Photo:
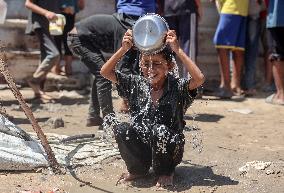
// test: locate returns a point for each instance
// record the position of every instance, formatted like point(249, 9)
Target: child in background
point(68, 8)
point(42, 12)
point(157, 102)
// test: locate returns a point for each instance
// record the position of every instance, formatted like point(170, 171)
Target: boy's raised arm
point(196, 74)
point(108, 69)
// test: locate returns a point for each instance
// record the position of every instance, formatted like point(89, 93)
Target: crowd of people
point(157, 125)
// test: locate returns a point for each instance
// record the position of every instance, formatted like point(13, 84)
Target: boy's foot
point(165, 181)
point(126, 177)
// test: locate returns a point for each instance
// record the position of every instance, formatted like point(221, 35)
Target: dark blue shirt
point(172, 105)
point(136, 7)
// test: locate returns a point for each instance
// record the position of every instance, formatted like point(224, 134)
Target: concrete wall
point(17, 10)
point(12, 33)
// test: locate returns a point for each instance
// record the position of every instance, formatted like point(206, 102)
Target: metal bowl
point(149, 33)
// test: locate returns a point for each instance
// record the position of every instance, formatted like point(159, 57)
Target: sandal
point(223, 93)
point(271, 100)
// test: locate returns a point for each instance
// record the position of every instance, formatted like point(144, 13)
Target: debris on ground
point(258, 165)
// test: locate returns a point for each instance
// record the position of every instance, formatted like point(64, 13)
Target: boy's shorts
point(231, 31)
point(278, 51)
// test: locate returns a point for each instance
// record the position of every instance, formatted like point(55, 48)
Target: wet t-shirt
point(172, 105)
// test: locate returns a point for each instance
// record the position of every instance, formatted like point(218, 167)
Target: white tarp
point(22, 151)
point(18, 151)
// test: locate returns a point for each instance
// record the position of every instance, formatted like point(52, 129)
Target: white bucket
point(56, 26)
point(3, 11)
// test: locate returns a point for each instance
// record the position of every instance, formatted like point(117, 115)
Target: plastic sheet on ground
point(22, 151)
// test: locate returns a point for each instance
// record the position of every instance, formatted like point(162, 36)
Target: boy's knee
point(160, 131)
point(121, 129)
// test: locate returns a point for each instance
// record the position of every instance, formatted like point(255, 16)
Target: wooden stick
point(11, 83)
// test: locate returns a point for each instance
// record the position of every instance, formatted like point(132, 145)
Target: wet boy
point(157, 100)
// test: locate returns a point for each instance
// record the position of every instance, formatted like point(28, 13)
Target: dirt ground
point(233, 133)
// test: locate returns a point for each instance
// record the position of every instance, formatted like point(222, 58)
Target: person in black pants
point(157, 101)
point(103, 33)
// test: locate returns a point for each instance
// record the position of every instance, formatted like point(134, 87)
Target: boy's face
point(155, 68)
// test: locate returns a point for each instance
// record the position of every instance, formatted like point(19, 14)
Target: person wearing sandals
point(157, 102)
point(230, 38)
point(275, 24)
point(41, 13)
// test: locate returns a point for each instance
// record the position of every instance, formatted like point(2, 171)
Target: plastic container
point(56, 26)
point(3, 11)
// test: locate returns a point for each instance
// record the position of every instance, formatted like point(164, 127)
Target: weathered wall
point(17, 10)
point(12, 33)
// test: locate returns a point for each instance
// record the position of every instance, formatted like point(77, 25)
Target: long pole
point(11, 83)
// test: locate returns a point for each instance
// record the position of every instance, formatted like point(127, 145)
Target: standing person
point(42, 12)
point(68, 8)
point(183, 16)
point(275, 24)
point(267, 44)
point(99, 33)
point(157, 103)
point(230, 37)
point(252, 43)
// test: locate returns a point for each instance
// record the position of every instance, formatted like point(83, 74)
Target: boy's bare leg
point(165, 181)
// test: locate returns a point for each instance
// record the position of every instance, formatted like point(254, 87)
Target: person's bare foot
point(43, 97)
point(165, 181)
point(126, 177)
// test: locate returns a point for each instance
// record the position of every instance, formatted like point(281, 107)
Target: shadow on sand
point(187, 177)
point(203, 117)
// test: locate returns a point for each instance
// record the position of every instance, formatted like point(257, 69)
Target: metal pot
point(149, 33)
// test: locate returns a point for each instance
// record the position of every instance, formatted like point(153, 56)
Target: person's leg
point(188, 37)
point(94, 118)
point(49, 57)
point(136, 154)
point(278, 74)
point(68, 57)
point(167, 152)
point(224, 64)
point(278, 65)
point(58, 42)
point(251, 53)
point(238, 61)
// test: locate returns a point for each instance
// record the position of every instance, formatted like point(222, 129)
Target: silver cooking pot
point(149, 33)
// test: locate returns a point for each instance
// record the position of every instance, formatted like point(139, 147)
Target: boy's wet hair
point(168, 54)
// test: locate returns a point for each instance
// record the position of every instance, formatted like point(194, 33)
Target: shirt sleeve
point(124, 84)
point(187, 95)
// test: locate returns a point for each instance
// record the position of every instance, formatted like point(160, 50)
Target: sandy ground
point(230, 139)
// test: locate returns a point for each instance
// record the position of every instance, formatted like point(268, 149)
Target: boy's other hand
point(171, 39)
point(127, 41)
point(50, 15)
